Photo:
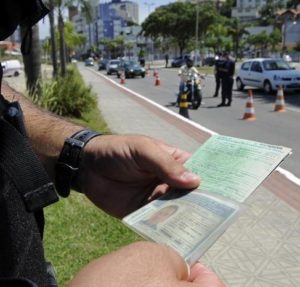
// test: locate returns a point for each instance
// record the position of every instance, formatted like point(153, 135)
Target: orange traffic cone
point(249, 114)
point(157, 80)
point(279, 104)
point(122, 81)
point(184, 106)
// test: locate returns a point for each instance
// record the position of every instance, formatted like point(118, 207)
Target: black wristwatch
point(67, 165)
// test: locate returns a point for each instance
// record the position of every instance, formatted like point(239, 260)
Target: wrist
point(69, 160)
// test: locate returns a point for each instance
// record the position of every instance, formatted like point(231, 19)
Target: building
point(289, 22)
point(113, 16)
point(247, 10)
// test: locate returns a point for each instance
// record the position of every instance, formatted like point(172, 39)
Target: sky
point(145, 7)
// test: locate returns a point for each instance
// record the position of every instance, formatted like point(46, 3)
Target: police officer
point(218, 74)
point(227, 70)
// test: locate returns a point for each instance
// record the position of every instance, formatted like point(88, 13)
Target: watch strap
point(68, 163)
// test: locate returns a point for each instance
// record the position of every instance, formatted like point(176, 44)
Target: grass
point(76, 231)
point(206, 70)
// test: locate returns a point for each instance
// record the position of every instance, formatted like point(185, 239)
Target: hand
point(121, 173)
point(144, 264)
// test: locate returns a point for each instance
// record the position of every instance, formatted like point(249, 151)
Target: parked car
point(130, 69)
point(112, 66)
point(209, 61)
point(102, 64)
point(11, 68)
point(268, 74)
point(89, 62)
point(177, 62)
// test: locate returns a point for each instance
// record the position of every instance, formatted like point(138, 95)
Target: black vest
point(24, 190)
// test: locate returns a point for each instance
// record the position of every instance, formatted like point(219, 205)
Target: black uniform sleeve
point(16, 282)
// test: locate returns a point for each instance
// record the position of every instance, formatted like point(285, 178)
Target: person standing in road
point(227, 70)
point(218, 78)
point(167, 60)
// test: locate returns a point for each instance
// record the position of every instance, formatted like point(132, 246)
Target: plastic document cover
point(188, 222)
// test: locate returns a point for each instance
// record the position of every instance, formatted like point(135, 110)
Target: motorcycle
point(193, 89)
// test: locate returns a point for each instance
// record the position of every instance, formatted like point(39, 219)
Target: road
point(269, 126)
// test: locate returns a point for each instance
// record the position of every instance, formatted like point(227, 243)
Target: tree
point(274, 39)
point(260, 41)
point(60, 6)
point(32, 59)
point(52, 38)
point(237, 31)
point(293, 4)
point(268, 12)
point(178, 20)
point(114, 47)
point(72, 39)
point(215, 37)
point(225, 9)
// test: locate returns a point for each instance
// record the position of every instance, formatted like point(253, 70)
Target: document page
point(187, 222)
point(234, 167)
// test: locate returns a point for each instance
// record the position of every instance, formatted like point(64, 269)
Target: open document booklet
point(190, 222)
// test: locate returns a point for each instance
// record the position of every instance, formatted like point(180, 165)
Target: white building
point(247, 10)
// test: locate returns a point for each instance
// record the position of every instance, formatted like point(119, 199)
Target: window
point(256, 67)
point(246, 66)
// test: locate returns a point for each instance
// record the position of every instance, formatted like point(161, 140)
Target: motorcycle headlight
point(131, 70)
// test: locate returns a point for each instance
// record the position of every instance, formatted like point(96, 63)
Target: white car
point(112, 67)
point(268, 74)
point(11, 68)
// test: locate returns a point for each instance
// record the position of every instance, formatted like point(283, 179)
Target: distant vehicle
point(287, 58)
point(112, 67)
point(178, 62)
point(130, 69)
point(89, 62)
point(11, 68)
point(209, 61)
point(268, 74)
point(102, 64)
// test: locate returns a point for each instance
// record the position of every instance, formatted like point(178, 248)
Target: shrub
point(67, 96)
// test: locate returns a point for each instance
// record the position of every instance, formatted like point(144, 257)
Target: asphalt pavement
point(261, 249)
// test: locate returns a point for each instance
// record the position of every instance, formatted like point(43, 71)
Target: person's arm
point(118, 173)
point(46, 131)
point(144, 264)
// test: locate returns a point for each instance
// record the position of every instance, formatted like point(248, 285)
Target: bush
point(67, 96)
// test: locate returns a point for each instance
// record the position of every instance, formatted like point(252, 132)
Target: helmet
point(189, 62)
point(20, 12)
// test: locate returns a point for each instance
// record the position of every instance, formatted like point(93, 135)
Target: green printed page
point(234, 167)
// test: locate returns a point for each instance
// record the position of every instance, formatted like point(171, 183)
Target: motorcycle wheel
point(196, 103)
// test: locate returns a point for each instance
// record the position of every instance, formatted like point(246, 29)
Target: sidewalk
point(263, 247)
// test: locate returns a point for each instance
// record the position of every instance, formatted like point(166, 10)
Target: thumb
point(204, 277)
point(167, 164)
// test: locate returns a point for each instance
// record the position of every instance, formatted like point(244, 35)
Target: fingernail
point(188, 270)
point(187, 175)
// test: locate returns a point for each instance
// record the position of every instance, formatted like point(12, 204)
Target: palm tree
point(32, 59)
point(52, 39)
point(237, 31)
point(61, 6)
